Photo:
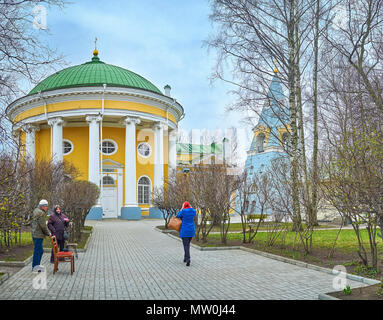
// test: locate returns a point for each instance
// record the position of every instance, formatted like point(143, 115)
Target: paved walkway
point(131, 260)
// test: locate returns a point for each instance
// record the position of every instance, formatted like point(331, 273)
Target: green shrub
point(252, 217)
point(347, 290)
point(365, 271)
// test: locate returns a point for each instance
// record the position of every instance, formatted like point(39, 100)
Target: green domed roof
point(94, 73)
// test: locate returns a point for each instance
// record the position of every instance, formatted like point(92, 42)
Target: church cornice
point(91, 93)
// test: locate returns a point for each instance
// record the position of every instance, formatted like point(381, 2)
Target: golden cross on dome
point(95, 51)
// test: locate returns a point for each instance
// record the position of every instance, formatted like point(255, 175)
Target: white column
point(158, 155)
point(94, 148)
point(56, 125)
point(30, 141)
point(130, 161)
point(172, 164)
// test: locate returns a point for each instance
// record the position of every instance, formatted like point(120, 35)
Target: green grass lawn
point(263, 227)
point(322, 239)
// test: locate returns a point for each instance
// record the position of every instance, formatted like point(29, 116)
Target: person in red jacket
point(187, 232)
point(56, 224)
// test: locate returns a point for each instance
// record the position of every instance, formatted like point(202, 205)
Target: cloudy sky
point(160, 40)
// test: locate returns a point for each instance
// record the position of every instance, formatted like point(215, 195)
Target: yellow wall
point(43, 144)
point(118, 136)
point(79, 157)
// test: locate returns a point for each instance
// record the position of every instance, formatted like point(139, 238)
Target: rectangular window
point(146, 194)
point(140, 194)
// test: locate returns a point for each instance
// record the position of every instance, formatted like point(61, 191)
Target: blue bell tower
point(271, 134)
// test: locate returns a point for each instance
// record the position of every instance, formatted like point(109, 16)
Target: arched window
point(261, 142)
point(143, 190)
point(286, 141)
point(107, 181)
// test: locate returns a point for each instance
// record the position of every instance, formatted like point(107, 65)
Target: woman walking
point(187, 232)
point(57, 223)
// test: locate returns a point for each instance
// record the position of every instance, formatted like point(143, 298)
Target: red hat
point(186, 205)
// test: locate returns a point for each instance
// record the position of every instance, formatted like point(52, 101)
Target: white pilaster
point(172, 151)
point(158, 154)
point(94, 148)
point(56, 125)
point(30, 141)
point(130, 161)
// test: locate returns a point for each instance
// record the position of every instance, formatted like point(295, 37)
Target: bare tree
point(170, 197)
point(352, 160)
point(77, 197)
point(23, 53)
point(251, 35)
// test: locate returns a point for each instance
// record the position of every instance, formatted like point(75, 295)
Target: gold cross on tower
point(275, 65)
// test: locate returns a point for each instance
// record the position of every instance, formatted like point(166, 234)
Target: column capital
point(93, 118)
point(159, 125)
point(131, 120)
point(55, 121)
point(173, 133)
point(31, 128)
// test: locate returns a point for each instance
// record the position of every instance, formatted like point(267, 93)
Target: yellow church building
point(115, 126)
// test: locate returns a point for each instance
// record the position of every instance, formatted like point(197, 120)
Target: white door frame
point(119, 180)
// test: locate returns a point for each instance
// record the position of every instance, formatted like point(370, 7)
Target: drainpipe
point(102, 117)
point(46, 115)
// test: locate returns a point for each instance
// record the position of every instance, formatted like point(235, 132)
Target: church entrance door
point(109, 202)
point(109, 196)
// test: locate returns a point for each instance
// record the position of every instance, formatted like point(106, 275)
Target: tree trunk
point(314, 196)
point(301, 130)
point(297, 223)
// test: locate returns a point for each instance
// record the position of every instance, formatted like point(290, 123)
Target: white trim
point(72, 147)
point(150, 189)
point(108, 112)
point(150, 150)
point(109, 140)
point(113, 165)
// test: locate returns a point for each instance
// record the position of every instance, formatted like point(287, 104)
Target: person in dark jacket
point(39, 231)
point(56, 224)
point(187, 232)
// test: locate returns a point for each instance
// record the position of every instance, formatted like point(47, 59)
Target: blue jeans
point(186, 242)
point(37, 251)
